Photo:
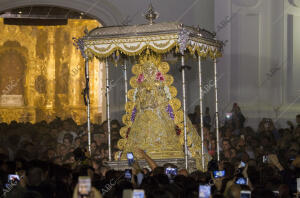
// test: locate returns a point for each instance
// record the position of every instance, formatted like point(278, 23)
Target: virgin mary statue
point(154, 119)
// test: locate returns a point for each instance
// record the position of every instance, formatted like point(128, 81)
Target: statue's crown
point(149, 58)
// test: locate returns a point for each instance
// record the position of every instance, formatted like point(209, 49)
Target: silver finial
point(151, 15)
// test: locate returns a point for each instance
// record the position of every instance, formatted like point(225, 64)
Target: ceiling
point(43, 12)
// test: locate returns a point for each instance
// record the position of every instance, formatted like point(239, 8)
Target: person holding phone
point(142, 154)
point(84, 189)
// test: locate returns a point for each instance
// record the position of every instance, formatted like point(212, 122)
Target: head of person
point(34, 176)
point(63, 150)
point(104, 126)
point(77, 142)
point(68, 140)
point(115, 124)
point(51, 153)
point(226, 144)
point(197, 109)
point(93, 146)
point(69, 158)
point(207, 110)
point(228, 132)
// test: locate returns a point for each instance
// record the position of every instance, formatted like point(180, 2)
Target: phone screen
point(228, 115)
point(204, 191)
point(265, 159)
point(245, 194)
point(242, 164)
point(171, 171)
point(241, 181)
point(138, 193)
point(276, 193)
point(84, 185)
point(219, 174)
point(130, 158)
point(128, 174)
point(13, 178)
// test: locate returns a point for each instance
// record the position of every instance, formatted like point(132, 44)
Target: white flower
point(134, 95)
point(167, 91)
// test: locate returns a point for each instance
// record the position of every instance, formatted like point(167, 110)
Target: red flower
point(159, 76)
point(140, 78)
point(177, 129)
point(128, 131)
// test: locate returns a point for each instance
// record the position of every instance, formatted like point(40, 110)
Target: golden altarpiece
point(155, 119)
point(41, 75)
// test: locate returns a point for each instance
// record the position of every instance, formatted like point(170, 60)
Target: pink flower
point(140, 78)
point(159, 76)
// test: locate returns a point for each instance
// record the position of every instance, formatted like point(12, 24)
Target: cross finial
point(151, 15)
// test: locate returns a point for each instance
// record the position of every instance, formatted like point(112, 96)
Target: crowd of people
point(48, 159)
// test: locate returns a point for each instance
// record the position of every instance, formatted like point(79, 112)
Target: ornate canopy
point(161, 38)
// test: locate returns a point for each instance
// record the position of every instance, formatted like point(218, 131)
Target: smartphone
point(171, 171)
point(128, 174)
point(241, 181)
point(13, 178)
point(242, 164)
point(276, 193)
point(130, 158)
point(265, 159)
point(219, 174)
point(245, 194)
point(84, 185)
point(138, 193)
point(228, 116)
point(204, 191)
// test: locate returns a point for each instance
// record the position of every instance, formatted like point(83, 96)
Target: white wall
point(260, 60)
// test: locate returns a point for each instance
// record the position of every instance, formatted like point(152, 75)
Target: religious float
point(155, 120)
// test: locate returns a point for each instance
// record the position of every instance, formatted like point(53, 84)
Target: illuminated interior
point(42, 73)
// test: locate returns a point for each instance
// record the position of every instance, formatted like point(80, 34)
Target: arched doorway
point(102, 10)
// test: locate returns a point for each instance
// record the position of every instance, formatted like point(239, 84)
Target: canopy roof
point(161, 38)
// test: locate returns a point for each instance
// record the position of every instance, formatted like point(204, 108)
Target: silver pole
point(88, 103)
point(125, 79)
point(201, 111)
point(217, 113)
point(108, 109)
point(184, 112)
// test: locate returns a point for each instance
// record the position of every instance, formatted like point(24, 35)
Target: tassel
point(177, 49)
